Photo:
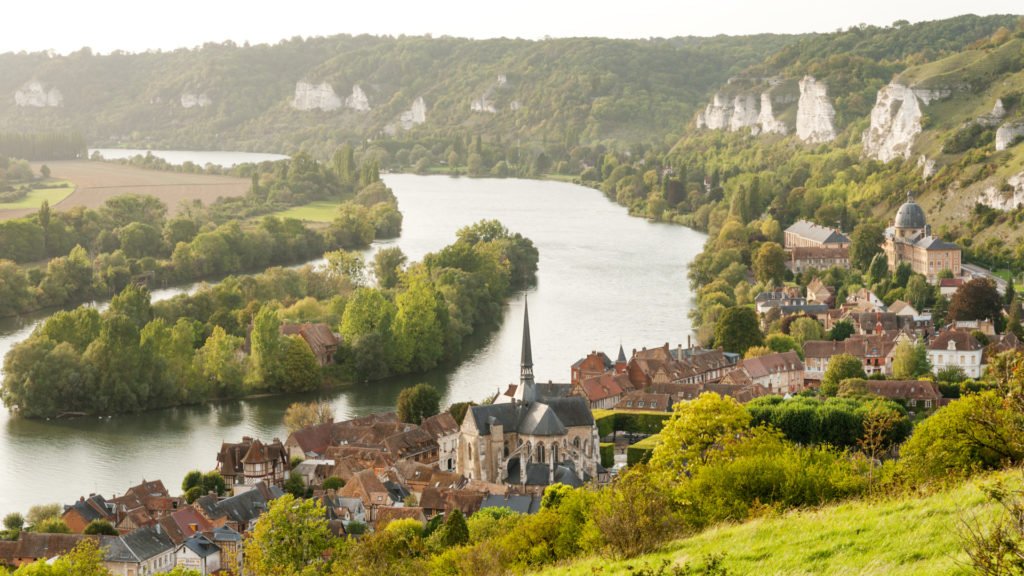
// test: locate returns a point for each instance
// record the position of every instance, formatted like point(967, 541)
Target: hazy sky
point(137, 25)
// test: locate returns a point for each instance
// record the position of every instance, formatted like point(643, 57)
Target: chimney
point(688, 341)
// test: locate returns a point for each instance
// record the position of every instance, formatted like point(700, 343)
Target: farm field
point(322, 211)
point(96, 182)
point(58, 192)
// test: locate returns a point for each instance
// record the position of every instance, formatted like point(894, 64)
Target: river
point(604, 278)
point(200, 158)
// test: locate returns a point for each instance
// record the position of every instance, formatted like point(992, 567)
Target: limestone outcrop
point(357, 100)
point(1007, 134)
point(415, 115)
point(766, 117)
point(310, 96)
point(1008, 197)
point(192, 100)
point(815, 116)
point(34, 95)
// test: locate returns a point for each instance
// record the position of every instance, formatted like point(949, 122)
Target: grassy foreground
point(321, 211)
point(35, 198)
point(896, 537)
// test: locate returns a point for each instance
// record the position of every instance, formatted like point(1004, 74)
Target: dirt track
point(95, 182)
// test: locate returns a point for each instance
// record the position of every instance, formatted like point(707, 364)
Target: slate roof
point(201, 546)
point(533, 419)
point(523, 504)
point(93, 508)
point(910, 215)
point(223, 534)
point(817, 233)
point(241, 508)
point(145, 543)
point(540, 420)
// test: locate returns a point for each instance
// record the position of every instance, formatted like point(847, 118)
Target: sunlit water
point(604, 278)
point(201, 158)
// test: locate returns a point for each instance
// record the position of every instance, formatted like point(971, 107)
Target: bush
point(607, 455)
point(635, 514)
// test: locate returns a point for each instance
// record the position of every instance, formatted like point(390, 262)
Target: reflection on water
point(604, 278)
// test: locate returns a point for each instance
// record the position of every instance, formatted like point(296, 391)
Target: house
point(641, 400)
point(874, 350)
point(865, 300)
point(808, 234)
point(780, 373)
point(320, 338)
point(602, 391)
point(959, 348)
point(230, 544)
point(917, 395)
point(198, 553)
point(949, 286)
point(984, 326)
point(32, 546)
point(803, 258)
point(238, 512)
point(342, 509)
point(436, 501)
point(413, 444)
point(79, 515)
point(664, 365)
point(594, 364)
point(314, 441)
point(742, 393)
point(250, 462)
point(365, 486)
point(146, 550)
point(314, 471)
point(819, 293)
point(445, 431)
point(389, 514)
point(521, 503)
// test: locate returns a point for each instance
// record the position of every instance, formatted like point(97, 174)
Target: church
point(531, 436)
point(910, 240)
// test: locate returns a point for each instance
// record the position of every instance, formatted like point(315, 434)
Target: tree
point(782, 343)
point(346, 265)
point(770, 264)
point(454, 532)
point(44, 171)
point(52, 525)
point(301, 415)
point(85, 559)
point(910, 361)
point(918, 292)
point(102, 527)
point(267, 348)
point(737, 329)
point(757, 352)
point(301, 373)
point(806, 329)
point(865, 243)
point(418, 403)
point(14, 521)
point(635, 514)
point(333, 483)
point(977, 299)
point(41, 512)
point(840, 367)
point(693, 428)
point(289, 539)
point(1011, 291)
point(387, 266)
point(841, 330)
point(295, 485)
point(879, 268)
point(419, 335)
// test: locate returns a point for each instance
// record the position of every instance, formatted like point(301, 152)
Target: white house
point(445, 430)
point(141, 552)
point(198, 553)
point(956, 348)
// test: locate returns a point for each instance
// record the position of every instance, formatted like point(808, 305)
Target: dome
point(910, 215)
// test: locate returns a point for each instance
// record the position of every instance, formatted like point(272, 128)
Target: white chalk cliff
point(358, 100)
point(1005, 199)
point(315, 97)
point(483, 104)
point(1007, 134)
point(766, 117)
point(744, 112)
point(191, 100)
point(895, 123)
point(415, 115)
point(815, 116)
point(34, 95)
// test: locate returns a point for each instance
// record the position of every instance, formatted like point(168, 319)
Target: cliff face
point(1008, 198)
point(1007, 134)
point(191, 100)
point(34, 95)
point(896, 120)
point(766, 118)
point(315, 97)
point(815, 116)
point(358, 100)
point(744, 112)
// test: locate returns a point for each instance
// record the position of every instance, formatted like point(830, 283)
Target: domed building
point(910, 240)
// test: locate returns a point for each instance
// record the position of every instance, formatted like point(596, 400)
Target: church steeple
point(526, 362)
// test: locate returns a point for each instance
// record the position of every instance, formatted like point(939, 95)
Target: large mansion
point(910, 240)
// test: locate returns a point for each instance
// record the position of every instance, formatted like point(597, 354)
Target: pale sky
point(138, 25)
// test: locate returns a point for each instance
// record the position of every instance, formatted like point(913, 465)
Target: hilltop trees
point(418, 403)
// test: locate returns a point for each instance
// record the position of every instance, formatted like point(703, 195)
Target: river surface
point(604, 278)
point(201, 158)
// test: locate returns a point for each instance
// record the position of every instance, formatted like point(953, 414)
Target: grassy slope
point(35, 198)
point(890, 538)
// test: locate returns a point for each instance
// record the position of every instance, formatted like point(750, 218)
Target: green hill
point(908, 536)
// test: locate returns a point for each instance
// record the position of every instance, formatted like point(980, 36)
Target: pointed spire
point(622, 355)
point(526, 363)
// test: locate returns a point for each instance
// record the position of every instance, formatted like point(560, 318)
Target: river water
point(201, 158)
point(604, 278)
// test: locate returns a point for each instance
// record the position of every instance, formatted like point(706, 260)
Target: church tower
point(526, 392)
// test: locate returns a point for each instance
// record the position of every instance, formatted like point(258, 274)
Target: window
point(629, 404)
point(640, 404)
point(927, 403)
point(913, 402)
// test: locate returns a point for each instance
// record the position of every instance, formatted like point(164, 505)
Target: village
point(374, 469)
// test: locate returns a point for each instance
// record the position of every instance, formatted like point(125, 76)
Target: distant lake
point(604, 278)
point(199, 157)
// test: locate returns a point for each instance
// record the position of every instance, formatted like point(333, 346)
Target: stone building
point(910, 240)
point(529, 438)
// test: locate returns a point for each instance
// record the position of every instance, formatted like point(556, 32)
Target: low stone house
point(780, 373)
point(602, 391)
point(916, 395)
point(79, 515)
point(198, 553)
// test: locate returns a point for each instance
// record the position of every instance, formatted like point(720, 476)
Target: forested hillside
point(226, 96)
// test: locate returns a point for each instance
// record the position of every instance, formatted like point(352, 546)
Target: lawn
point(892, 538)
point(321, 211)
point(35, 198)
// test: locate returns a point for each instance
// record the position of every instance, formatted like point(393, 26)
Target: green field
point(893, 537)
point(35, 198)
point(321, 211)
